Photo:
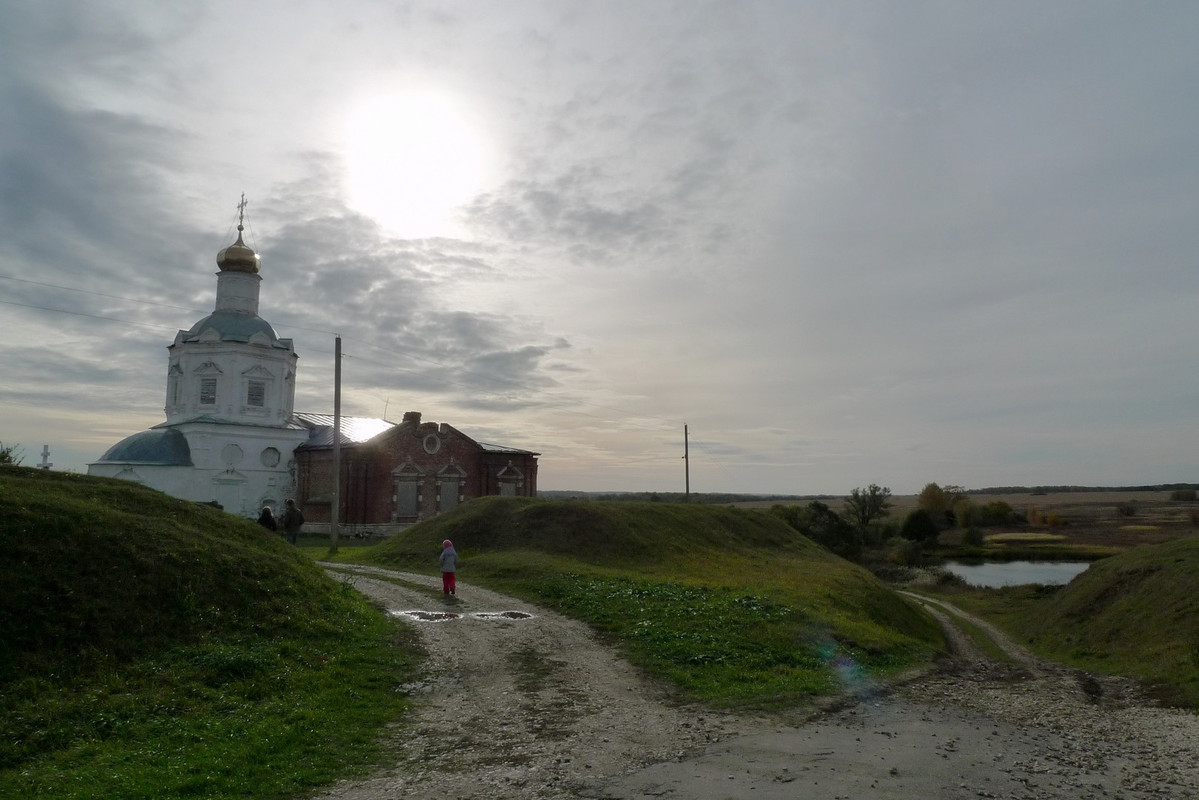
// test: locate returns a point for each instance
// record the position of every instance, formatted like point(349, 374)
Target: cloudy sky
point(843, 242)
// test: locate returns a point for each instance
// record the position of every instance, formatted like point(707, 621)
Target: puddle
point(446, 616)
point(426, 616)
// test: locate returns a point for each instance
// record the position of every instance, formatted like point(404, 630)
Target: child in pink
point(449, 563)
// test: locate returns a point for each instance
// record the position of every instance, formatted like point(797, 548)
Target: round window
point(232, 455)
point(432, 443)
point(270, 457)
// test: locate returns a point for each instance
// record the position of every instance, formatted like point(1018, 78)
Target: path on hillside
point(538, 707)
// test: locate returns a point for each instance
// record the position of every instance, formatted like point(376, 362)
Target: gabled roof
point(354, 430)
point(499, 448)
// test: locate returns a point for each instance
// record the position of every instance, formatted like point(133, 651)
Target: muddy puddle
point(446, 616)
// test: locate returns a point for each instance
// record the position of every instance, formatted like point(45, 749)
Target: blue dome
point(233, 326)
point(167, 447)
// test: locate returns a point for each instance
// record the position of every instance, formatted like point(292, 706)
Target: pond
point(993, 574)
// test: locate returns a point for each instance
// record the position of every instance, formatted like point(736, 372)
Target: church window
point(256, 393)
point(449, 494)
point(407, 498)
point(208, 391)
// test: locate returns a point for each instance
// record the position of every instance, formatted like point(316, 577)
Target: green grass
point(152, 648)
point(731, 606)
point(1135, 614)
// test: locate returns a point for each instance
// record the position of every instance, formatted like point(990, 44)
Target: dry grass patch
point(1000, 538)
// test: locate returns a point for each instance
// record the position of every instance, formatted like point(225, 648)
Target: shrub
point(973, 537)
point(964, 511)
point(908, 552)
point(1126, 509)
point(918, 526)
point(947, 578)
point(824, 526)
point(1183, 495)
point(12, 454)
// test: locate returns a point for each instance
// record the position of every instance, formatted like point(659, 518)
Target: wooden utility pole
point(335, 507)
point(686, 467)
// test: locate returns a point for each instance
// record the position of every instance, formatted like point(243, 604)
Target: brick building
point(406, 473)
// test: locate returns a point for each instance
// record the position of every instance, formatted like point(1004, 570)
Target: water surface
point(993, 574)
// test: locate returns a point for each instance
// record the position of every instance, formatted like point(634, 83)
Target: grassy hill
point(1133, 614)
point(733, 606)
point(151, 647)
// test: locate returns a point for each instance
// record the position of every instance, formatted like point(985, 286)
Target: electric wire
point(568, 405)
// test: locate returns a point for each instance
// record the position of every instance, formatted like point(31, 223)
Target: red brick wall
point(369, 485)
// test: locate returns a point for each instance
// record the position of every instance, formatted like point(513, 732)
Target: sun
point(412, 158)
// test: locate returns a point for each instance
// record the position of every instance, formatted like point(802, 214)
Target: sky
point(837, 243)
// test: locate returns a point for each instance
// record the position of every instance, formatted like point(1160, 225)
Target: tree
point(823, 526)
point(11, 454)
point(940, 501)
point(932, 499)
point(919, 526)
point(864, 505)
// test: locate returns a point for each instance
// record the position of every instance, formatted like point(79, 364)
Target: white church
point(230, 430)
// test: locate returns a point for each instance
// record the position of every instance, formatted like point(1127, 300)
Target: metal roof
point(166, 447)
point(499, 448)
point(354, 430)
point(234, 326)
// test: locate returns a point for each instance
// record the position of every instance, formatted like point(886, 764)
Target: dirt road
point(518, 702)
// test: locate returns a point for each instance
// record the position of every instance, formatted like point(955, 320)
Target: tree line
point(862, 522)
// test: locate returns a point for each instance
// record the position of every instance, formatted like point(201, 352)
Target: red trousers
point(447, 583)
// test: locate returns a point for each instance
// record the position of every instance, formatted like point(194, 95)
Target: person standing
point(449, 564)
point(291, 521)
point(267, 519)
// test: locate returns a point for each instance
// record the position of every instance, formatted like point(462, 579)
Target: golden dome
point(237, 257)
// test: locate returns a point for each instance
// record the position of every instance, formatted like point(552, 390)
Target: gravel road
point(519, 702)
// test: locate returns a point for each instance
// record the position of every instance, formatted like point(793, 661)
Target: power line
point(563, 404)
point(89, 316)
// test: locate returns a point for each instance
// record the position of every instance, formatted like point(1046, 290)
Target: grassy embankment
point(732, 606)
point(153, 648)
point(1134, 614)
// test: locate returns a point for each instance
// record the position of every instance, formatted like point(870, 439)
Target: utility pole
point(335, 508)
point(686, 466)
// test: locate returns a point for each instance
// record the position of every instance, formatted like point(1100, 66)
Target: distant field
point(1026, 537)
point(1103, 520)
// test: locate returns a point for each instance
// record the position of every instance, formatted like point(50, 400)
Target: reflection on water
point(993, 574)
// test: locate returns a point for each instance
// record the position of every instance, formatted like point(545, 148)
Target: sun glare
point(411, 159)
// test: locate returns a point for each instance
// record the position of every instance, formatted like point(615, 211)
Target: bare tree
point(864, 505)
